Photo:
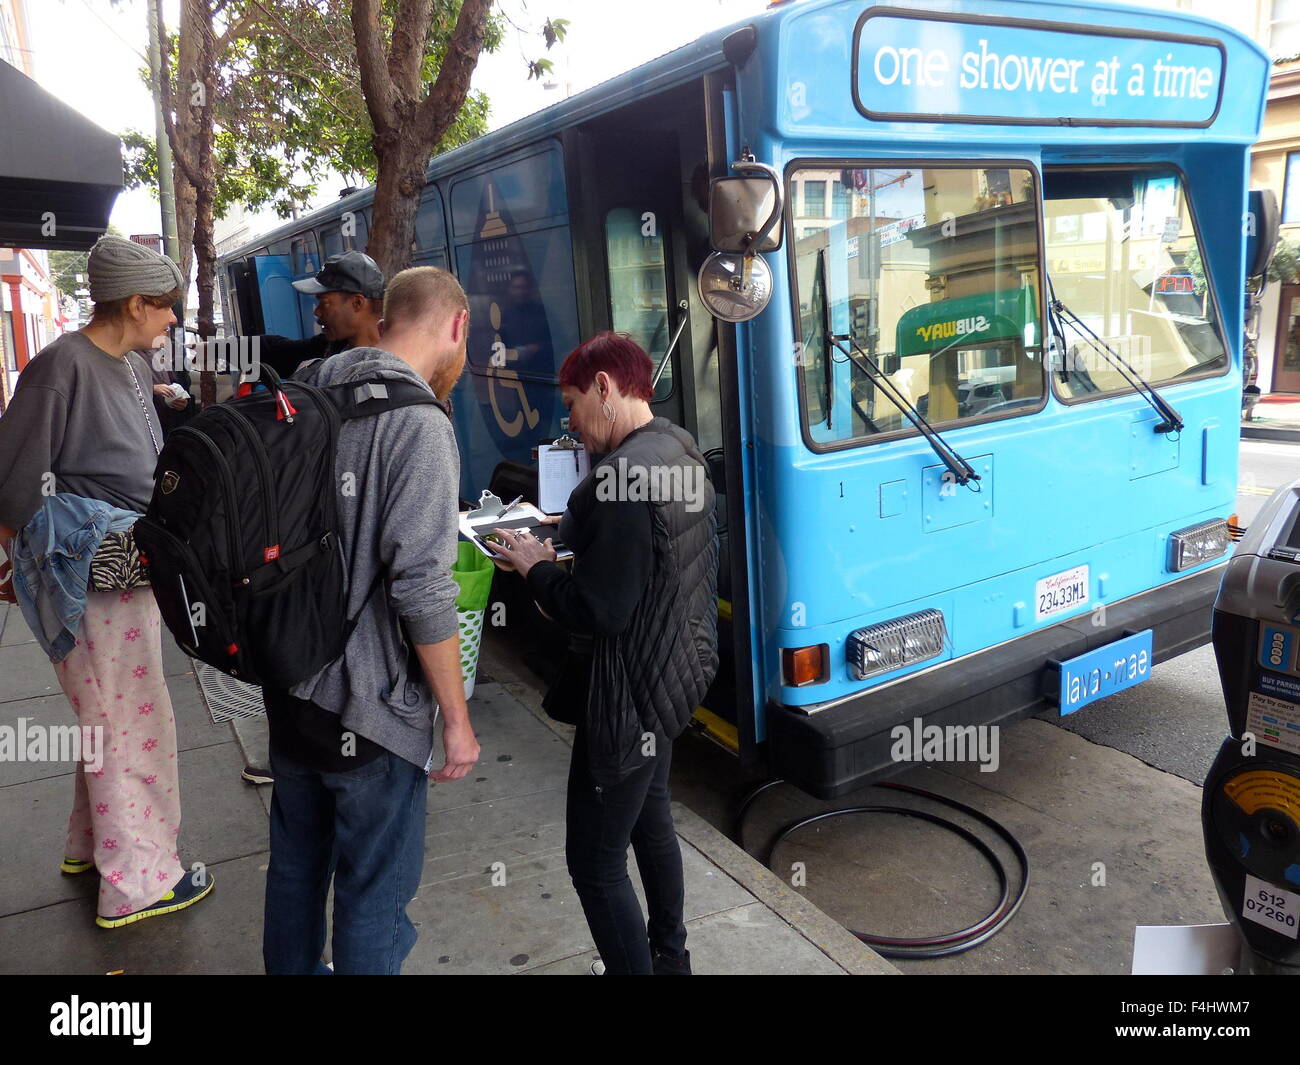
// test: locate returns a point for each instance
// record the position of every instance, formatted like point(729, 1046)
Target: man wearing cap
point(349, 291)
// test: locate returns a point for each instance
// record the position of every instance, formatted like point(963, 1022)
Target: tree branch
point(376, 84)
point(436, 112)
point(180, 151)
point(322, 63)
point(238, 29)
point(410, 31)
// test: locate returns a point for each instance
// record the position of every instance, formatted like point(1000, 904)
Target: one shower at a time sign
point(946, 68)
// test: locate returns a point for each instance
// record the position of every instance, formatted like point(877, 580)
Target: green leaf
point(554, 30)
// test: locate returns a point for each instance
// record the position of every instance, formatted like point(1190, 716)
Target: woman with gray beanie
point(78, 446)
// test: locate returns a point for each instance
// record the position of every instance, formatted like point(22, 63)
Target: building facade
point(32, 311)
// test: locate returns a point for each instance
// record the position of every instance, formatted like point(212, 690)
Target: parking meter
point(1250, 808)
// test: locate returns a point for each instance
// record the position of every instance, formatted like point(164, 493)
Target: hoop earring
point(607, 409)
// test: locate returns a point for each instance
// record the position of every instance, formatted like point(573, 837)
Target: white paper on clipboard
point(559, 471)
point(521, 516)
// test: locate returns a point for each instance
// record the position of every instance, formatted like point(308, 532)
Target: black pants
point(601, 824)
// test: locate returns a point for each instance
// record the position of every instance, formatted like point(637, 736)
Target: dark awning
point(59, 172)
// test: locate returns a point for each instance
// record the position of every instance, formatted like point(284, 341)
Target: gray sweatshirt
point(76, 414)
point(399, 476)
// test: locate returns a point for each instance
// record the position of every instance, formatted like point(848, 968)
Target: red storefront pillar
point(19, 324)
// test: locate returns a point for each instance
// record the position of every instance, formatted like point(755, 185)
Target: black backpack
point(241, 535)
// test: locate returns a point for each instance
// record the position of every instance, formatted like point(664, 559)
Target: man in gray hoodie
point(352, 746)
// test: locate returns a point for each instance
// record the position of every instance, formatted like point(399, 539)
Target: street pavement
point(494, 897)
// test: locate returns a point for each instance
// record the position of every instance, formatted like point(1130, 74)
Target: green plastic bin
point(472, 573)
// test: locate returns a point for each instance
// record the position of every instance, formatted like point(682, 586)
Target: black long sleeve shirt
point(612, 551)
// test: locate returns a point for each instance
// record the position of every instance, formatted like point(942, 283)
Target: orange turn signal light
point(805, 665)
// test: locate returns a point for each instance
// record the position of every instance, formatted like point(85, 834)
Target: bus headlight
point(1199, 543)
point(894, 644)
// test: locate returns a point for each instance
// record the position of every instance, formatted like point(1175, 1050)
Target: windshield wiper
point(1172, 421)
point(963, 472)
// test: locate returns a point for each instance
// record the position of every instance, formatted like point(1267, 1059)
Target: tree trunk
point(195, 30)
point(408, 125)
point(205, 187)
point(205, 255)
point(403, 158)
point(184, 223)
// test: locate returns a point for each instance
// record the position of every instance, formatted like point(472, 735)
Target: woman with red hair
point(640, 604)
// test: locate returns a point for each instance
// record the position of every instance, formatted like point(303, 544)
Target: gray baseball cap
point(349, 271)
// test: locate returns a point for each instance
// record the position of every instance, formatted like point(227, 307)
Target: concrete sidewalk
point(505, 818)
point(1275, 418)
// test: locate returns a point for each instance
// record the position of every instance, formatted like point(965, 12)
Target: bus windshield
point(934, 273)
point(1123, 255)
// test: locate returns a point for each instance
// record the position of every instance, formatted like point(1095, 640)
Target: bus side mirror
point(745, 212)
point(1262, 229)
point(738, 207)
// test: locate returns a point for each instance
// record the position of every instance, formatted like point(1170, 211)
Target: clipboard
point(477, 523)
point(561, 467)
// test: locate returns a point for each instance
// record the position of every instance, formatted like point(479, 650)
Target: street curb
point(826, 934)
point(1260, 432)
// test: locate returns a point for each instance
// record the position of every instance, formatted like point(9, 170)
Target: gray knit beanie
point(119, 268)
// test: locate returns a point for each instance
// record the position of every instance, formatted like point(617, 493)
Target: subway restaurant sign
point(949, 68)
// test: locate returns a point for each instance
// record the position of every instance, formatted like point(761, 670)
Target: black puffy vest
point(651, 677)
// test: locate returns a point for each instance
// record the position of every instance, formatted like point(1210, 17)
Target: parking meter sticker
point(1273, 907)
point(1277, 648)
point(1274, 722)
point(1282, 687)
point(1259, 789)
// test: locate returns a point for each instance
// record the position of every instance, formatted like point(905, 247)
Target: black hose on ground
point(927, 946)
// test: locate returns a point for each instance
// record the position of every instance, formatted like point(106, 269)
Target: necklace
point(140, 396)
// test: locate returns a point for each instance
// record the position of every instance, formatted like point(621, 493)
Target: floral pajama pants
point(127, 814)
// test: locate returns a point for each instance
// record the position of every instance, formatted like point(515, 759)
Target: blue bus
point(970, 433)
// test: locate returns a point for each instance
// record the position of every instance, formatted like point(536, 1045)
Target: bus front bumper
point(830, 749)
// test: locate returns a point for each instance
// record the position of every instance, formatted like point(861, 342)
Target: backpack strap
point(362, 399)
point(375, 395)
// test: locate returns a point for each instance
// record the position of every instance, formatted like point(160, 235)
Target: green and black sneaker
point(185, 893)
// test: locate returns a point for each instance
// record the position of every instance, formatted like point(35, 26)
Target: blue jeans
point(364, 828)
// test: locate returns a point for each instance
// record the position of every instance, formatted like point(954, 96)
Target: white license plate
point(1061, 592)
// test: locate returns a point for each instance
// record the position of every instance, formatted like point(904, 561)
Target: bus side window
point(331, 241)
point(429, 246)
point(359, 239)
point(638, 286)
point(304, 261)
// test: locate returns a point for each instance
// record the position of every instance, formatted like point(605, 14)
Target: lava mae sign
point(954, 68)
point(1104, 671)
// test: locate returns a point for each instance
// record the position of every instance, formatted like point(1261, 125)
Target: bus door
point(630, 178)
point(244, 316)
point(643, 179)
